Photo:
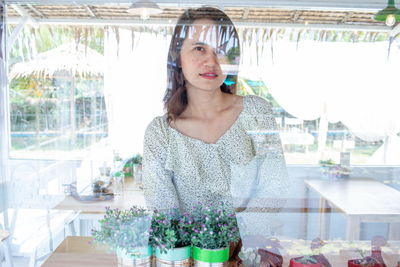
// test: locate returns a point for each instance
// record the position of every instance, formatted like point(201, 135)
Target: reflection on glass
point(332, 115)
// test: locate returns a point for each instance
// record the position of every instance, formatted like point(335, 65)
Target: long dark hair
point(175, 98)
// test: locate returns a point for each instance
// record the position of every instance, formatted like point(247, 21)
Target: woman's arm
point(159, 190)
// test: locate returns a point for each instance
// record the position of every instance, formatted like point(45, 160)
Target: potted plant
point(261, 250)
point(137, 159)
point(315, 259)
point(376, 259)
point(127, 233)
point(171, 236)
point(305, 261)
point(365, 261)
point(333, 170)
point(214, 228)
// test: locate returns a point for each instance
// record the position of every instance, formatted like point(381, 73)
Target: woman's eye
point(199, 48)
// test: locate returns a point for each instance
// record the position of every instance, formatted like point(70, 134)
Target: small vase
point(294, 263)
point(173, 257)
point(142, 257)
point(210, 257)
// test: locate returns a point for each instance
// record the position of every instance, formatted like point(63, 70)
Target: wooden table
point(132, 195)
point(94, 210)
point(78, 251)
point(360, 200)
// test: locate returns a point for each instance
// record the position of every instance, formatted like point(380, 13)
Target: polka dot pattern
point(180, 171)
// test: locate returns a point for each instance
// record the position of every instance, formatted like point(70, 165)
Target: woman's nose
point(211, 59)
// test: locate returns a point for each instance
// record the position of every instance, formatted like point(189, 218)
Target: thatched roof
point(66, 60)
point(253, 14)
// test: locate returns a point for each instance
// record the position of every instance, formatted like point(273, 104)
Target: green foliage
point(137, 159)
point(126, 229)
point(307, 259)
point(328, 162)
point(170, 230)
point(214, 227)
point(209, 227)
point(365, 261)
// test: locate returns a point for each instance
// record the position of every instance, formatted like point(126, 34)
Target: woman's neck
point(204, 104)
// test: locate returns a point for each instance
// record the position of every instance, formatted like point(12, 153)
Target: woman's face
point(201, 56)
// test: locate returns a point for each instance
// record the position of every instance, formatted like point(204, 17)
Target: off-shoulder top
point(180, 171)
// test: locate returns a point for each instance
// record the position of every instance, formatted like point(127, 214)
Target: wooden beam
point(296, 15)
point(347, 17)
point(37, 12)
point(372, 5)
point(22, 12)
point(90, 11)
point(245, 13)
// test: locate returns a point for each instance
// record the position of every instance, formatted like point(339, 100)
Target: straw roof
point(238, 14)
point(66, 60)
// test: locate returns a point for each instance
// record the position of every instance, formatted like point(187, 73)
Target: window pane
point(57, 101)
point(87, 79)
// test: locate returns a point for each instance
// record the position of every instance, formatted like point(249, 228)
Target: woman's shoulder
point(158, 126)
point(158, 121)
point(257, 104)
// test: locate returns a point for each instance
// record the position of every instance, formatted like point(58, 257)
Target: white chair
point(33, 223)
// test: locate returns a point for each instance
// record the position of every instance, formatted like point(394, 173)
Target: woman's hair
point(175, 98)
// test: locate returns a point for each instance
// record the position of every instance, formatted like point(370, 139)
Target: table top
point(132, 195)
point(358, 196)
point(79, 251)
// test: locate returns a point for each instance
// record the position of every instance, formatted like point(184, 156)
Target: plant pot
point(210, 257)
point(173, 257)
point(294, 263)
point(142, 257)
point(352, 263)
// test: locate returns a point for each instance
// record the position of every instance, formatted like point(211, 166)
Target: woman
point(203, 145)
point(190, 153)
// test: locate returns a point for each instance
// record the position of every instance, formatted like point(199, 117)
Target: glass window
point(311, 163)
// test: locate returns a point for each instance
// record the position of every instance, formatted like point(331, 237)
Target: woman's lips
point(209, 75)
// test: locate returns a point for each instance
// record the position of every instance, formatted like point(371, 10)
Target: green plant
point(365, 260)
point(307, 259)
point(214, 227)
point(328, 162)
point(126, 229)
point(137, 159)
point(170, 230)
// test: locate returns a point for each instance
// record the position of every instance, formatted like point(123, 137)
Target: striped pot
point(210, 257)
point(173, 257)
point(141, 259)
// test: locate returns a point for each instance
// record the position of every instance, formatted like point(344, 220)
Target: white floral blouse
point(247, 162)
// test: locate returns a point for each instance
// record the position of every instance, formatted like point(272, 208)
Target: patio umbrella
point(75, 61)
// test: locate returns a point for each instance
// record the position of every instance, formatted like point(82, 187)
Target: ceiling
point(337, 14)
